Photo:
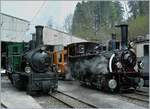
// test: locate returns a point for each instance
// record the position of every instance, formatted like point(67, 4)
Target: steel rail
point(135, 98)
point(142, 94)
point(91, 105)
point(2, 105)
point(74, 98)
point(62, 101)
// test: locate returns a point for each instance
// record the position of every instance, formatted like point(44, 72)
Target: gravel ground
point(139, 103)
point(97, 97)
point(47, 101)
point(14, 98)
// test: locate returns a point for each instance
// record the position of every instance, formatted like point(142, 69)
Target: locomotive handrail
point(110, 62)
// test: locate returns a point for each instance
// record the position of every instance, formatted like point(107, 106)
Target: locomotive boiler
point(37, 72)
point(107, 70)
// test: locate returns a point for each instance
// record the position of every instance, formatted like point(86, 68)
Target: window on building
point(81, 48)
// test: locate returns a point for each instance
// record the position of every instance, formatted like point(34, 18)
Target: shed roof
point(13, 29)
point(56, 37)
point(15, 17)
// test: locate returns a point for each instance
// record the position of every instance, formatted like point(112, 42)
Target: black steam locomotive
point(36, 72)
point(111, 70)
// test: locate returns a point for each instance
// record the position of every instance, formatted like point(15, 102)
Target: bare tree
point(68, 23)
point(50, 23)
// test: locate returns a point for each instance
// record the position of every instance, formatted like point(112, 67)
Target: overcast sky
point(39, 12)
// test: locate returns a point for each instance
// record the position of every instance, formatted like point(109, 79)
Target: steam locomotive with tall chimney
point(36, 72)
point(109, 70)
point(89, 62)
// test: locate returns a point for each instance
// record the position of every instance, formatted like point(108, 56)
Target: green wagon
point(15, 51)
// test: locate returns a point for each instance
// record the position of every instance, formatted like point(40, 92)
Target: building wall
point(140, 49)
point(13, 29)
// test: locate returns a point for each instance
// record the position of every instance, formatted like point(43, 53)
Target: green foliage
point(93, 20)
point(96, 20)
point(139, 8)
point(139, 21)
point(138, 26)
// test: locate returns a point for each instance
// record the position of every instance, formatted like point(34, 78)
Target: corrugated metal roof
point(56, 37)
point(11, 32)
point(15, 17)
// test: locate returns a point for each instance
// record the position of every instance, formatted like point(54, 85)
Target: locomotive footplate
point(43, 82)
point(114, 82)
point(128, 80)
point(19, 80)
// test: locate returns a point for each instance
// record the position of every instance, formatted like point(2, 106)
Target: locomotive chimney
point(33, 41)
point(39, 35)
point(124, 35)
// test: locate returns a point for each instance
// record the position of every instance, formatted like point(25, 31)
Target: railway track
point(46, 101)
point(142, 93)
point(72, 102)
point(3, 106)
point(138, 97)
point(60, 99)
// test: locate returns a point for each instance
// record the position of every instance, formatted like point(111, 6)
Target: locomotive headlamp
point(141, 65)
point(119, 65)
point(27, 69)
point(112, 83)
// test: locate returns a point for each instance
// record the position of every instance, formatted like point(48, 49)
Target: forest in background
point(96, 20)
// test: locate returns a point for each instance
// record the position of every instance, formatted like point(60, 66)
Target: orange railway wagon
point(61, 62)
